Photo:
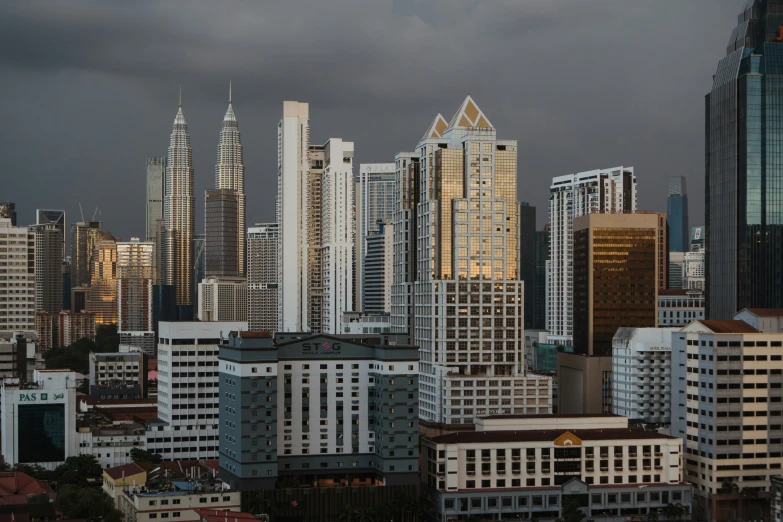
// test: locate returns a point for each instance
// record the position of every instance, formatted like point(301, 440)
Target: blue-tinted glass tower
point(744, 166)
point(677, 215)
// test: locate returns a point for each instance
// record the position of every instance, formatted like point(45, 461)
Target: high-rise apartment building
point(315, 207)
point(84, 235)
point(405, 244)
point(527, 259)
point(17, 287)
point(743, 165)
point(618, 263)
point(135, 272)
point(377, 270)
point(179, 213)
point(222, 299)
point(466, 304)
point(156, 224)
point(102, 300)
point(8, 210)
point(221, 216)
point(677, 214)
point(293, 201)
point(263, 291)
point(374, 192)
point(230, 175)
point(606, 191)
point(49, 234)
point(541, 247)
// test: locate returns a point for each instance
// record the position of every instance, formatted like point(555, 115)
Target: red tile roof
point(125, 470)
point(18, 483)
point(766, 312)
point(729, 326)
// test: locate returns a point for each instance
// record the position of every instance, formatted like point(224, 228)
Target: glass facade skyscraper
point(744, 166)
point(677, 215)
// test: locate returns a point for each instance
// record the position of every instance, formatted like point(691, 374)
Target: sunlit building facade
point(102, 300)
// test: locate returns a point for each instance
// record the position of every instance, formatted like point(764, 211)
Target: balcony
point(486, 459)
point(500, 458)
point(471, 473)
point(470, 459)
point(604, 468)
point(516, 458)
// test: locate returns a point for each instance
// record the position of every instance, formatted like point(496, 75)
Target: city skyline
point(146, 114)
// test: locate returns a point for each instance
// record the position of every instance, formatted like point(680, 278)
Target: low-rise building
point(678, 307)
point(641, 374)
point(768, 320)
point(361, 323)
point(113, 374)
point(177, 500)
point(111, 444)
point(528, 467)
point(18, 352)
point(117, 480)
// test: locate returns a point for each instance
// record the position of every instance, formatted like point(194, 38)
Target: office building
point(135, 273)
point(66, 289)
point(200, 260)
point(263, 291)
point(374, 191)
point(179, 214)
point(18, 352)
point(84, 236)
point(17, 288)
point(641, 374)
point(221, 216)
point(377, 270)
point(230, 176)
point(156, 224)
point(677, 215)
point(61, 329)
point(8, 211)
point(293, 207)
point(527, 259)
point(726, 406)
point(222, 299)
point(479, 473)
point(693, 271)
point(618, 264)
point(111, 371)
point(466, 263)
point(362, 390)
point(164, 305)
point(609, 191)
point(742, 163)
point(188, 398)
point(678, 307)
point(697, 239)
point(102, 298)
point(48, 240)
point(358, 323)
point(539, 283)
point(183, 500)
point(39, 419)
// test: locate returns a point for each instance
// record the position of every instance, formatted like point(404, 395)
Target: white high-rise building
point(466, 308)
point(605, 191)
point(293, 140)
point(222, 298)
point(263, 291)
point(135, 274)
point(337, 233)
point(375, 186)
point(17, 287)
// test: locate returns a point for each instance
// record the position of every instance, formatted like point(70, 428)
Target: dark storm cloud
point(89, 88)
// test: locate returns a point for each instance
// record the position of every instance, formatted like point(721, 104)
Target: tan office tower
point(466, 307)
point(102, 300)
point(179, 213)
point(17, 287)
point(230, 175)
point(618, 267)
point(135, 270)
point(84, 235)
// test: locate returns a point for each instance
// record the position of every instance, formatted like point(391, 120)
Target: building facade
point(84, 236)
point(113, 369)
point(156, 224)
point(8, 210)
point(527, 258)
point(677, 307)
point(374, 191)
point(49, 234)
point(323, 409)
point(221, 216)
point(480, 473)
point(179, 213)
point(677, 215)
point(102, 299)
point(607, 191)
point(135, 273)
point(17, 289)
point(230, 175)
point(263, 290)
point(377, 270)
point(222, 299)
point(743, 226)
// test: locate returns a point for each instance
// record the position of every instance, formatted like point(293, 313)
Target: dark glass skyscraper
point(744, 166)
point(527, 259)
point(677, 215)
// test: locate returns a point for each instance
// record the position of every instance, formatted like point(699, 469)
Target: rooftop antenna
point(229, 92)
point(94, 213)
point(180, 95)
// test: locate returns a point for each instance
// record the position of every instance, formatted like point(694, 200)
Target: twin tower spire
point(179, 201)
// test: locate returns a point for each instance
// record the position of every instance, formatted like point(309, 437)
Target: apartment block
point(17, 287)
point(222, 299)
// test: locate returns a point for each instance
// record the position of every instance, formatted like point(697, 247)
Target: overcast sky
point(88, 89)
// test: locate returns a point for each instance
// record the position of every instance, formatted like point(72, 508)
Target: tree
point(571, 511)
point(78, 471)
point(34, 470)
point(139, 455)
point(84, 503)
point(674, 511)
point(652, 516)
point(107, 340)
point(74, 357)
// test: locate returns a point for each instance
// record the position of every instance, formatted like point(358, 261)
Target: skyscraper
point(405, 235)
point(527, 259)
point(221, 211)
point(156, 224)
point(49, 233)
point(222, 298)
point(377, 268)
point(606, 191)
point(744, 166)
point(293, 140)
point(374, 193)
point(230, 175)
point(541, 246)
point(262, 288)
point(135, 270)
point(102, 299)
point(17, 287)
point(467, 266)
point(84, 235)
point(677, 215)
point(179, 213)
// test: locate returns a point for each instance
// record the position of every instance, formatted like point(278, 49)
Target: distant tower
point(156, 225)
point(221, 208)
point(135, 261)
point(263, 291)
point(230, 175)
point(49, 233)
point(677, 215)
point(178, 212)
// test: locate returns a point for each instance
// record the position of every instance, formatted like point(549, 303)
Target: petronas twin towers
point(179, 205)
